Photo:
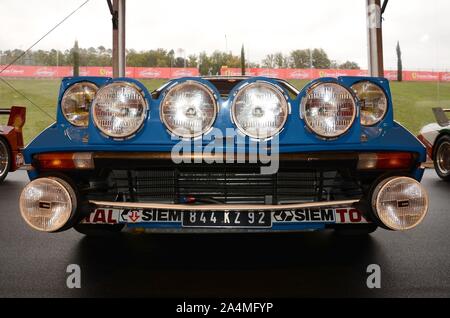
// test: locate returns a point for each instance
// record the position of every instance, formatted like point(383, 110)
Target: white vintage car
point(436, 137)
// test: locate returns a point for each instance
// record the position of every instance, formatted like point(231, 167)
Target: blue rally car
point(224, 154)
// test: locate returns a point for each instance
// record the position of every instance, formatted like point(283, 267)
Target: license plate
point(231, 219)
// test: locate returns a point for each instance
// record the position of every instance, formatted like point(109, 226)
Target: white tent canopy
point(374, 12)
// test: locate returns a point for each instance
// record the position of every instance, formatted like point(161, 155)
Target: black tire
point(99, 230)
point(5, 159)
point(441, 158)
point(356, 230)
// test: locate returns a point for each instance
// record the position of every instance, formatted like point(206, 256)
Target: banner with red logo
point(166, 72)
point(63, 71)
point(309, 74)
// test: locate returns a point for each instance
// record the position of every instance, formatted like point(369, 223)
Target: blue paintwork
point(295, 137)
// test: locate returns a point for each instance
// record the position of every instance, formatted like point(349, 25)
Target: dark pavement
point(413, 264)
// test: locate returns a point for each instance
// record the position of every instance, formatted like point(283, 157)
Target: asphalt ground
point(311, 264)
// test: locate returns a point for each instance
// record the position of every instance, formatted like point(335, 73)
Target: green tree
point(300, 58)
point(399, 63)
point(349, 65)
point(269, 61)
point(320, 59)
point(192, 61)
point(205, 67)
point(219, 59)
point(76, 59)
point(242, 60)
point(280, 60)
point(179, 62)
point(171, 57)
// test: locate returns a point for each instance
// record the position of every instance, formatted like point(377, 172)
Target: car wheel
point(5, 159)
point(356, 230)
point(99, 230)
point(442, 158)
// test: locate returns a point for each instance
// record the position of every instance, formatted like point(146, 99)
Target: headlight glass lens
point(76, 103)
point(189, 109)
point(373, 102)
point(260, 110)
point(401, 203)
point(47, 204)
point(119, 109)
point(329, 109)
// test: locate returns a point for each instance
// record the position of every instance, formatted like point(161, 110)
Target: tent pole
point(375, 38)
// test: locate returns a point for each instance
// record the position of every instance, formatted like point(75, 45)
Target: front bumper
point(309, 191)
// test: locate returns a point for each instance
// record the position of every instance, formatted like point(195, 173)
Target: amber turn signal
point(65, 161)
point(385, 160)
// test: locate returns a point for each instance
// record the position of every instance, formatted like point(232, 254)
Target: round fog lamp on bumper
point(400, 203)
point(47, 204)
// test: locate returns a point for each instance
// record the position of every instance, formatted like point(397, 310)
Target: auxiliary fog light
point(47, 204)
point(400, 203)
point(260, 110)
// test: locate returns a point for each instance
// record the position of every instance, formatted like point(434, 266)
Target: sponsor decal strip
point(136, 216)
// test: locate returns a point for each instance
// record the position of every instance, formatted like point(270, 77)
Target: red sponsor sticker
point(101, 216)
point(349, 215)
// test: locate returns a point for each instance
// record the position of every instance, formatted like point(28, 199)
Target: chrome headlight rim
point(280, 93)
point(302, 109)
point(68, 191)
point(387, 181)
point(359, 99)
point(128, 135)
point(203, 87)
point(66, 93)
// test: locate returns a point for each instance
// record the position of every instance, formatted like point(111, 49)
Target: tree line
point(307, 58)
point(206, 63)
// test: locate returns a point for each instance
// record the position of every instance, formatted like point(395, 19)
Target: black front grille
point(233, 184)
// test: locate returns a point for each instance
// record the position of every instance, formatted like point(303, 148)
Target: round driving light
point(260, 110)
point(119, 109)
point(373, 102)
point(77, 101)
point(189, 109)
point(400, 203)
point(47, 204)
point(329, 109)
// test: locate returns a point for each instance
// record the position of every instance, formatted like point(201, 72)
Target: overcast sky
point(264, 26)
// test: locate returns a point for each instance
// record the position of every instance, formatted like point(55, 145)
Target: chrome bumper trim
point(222, 207)
point(26, 167)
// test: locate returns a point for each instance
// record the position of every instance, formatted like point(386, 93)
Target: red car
point(11, 140)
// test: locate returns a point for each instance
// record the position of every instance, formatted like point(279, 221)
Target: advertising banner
point(309, 74)
point(166, 73)
point(63, 71)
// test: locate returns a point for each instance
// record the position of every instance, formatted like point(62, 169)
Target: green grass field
point(412, 101)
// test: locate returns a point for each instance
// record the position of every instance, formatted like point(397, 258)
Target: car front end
point(224, 155)
point(11, 140)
